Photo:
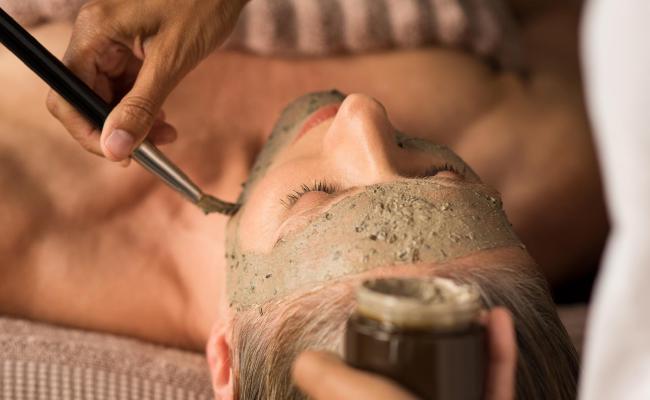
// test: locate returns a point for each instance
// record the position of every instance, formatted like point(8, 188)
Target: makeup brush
point(96, 110)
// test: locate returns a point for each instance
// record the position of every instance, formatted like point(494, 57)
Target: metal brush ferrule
point(157, 163)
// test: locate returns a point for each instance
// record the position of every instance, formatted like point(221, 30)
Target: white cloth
point(616, 58)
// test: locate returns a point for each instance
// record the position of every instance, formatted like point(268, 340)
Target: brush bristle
point(210, 204)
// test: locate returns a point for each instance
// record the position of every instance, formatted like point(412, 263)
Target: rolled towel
point(326, 27)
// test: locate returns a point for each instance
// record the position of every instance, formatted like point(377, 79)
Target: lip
point(316, 118)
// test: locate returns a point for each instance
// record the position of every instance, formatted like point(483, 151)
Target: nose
point(361, 142)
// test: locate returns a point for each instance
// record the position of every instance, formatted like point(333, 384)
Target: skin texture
point(381, 224)
point(381, 213)
point(91, 245)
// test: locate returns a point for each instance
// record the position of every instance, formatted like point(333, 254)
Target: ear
point(220, 363)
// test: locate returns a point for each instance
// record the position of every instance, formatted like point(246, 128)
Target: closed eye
point(329, 188)
point(317, 186)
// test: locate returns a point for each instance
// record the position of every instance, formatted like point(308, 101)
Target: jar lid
point(419, 303)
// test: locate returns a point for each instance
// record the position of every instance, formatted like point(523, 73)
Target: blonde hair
point(266, 340)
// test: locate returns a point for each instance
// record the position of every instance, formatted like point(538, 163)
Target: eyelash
point(317, 186)
point(324, 186)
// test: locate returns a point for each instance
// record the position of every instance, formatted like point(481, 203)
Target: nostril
point(356, 105)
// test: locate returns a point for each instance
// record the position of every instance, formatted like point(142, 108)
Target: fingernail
point(120, 143)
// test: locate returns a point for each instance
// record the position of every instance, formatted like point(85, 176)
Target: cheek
point(251, 228)
point(255, 227)
point(412, 163)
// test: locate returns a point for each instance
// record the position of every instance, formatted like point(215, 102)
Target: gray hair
point(267, 339)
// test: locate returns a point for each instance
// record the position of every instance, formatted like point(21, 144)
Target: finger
point(162, 133)
point(86, 43)
point(134, 116)
point(76, 59)
point(502, 345)
point(78, 126)
point(114, 60)
point(324, 376)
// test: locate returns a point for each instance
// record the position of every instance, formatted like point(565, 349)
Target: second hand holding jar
point(424, 333)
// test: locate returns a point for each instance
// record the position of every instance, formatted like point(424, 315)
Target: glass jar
point(421, 332)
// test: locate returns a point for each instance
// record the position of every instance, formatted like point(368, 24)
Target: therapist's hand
point(324, 376)
point(133, 53)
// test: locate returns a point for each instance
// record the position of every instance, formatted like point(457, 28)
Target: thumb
point(131, 120)
point(324, 376)
point(502, 344)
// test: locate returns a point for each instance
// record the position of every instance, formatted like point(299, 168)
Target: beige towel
point(39, 361)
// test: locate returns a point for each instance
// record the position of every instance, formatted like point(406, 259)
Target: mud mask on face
point(404, 222)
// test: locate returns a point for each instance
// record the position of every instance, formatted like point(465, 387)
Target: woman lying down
point(336, 195)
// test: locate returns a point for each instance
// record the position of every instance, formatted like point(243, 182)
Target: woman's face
point(338, 191)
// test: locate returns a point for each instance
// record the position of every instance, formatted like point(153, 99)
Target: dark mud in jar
point(435, 358)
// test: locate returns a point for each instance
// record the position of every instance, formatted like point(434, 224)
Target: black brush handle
point(51, 70)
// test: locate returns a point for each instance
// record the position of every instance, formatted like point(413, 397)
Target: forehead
point(388, 224)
